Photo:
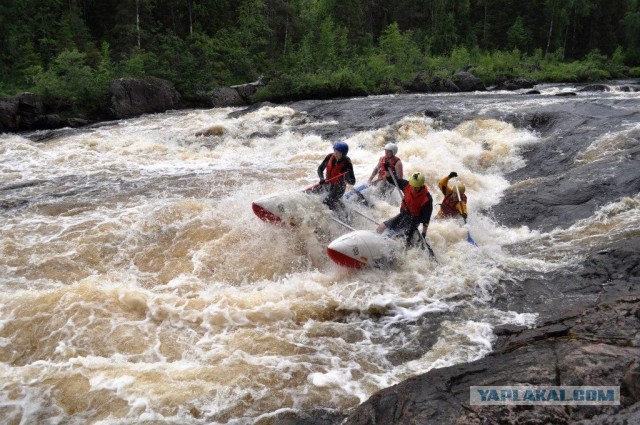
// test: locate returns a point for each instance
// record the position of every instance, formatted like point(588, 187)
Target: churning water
point(137, 285)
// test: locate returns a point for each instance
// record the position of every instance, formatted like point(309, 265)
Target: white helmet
point(391, 147)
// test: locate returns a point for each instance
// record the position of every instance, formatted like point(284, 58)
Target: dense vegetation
point(73, 48)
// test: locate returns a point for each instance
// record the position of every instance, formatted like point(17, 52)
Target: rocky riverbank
point(131, 97)
point(588, 332)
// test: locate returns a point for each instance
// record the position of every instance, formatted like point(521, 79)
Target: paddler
point(388, 163)
point(330, 169)
point(416, 208)
point(454, 203)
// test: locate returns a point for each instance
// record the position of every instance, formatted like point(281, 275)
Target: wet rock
point(467, 82)
point(132, 97)
point(632, 88)
point(226, 96)
point(596, 87)
point(515, 84)
point(315, 417)
point(560, 184)
point(610, 272)
point(425, 83)
point(565, 351)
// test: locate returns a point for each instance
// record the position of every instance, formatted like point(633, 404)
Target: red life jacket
point(448, 206)
point(392, 164)
point(414, 201)
point(335, 169)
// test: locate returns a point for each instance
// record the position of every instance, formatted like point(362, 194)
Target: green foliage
point(139, 64)
point(518, 37)
point(315, 47)
point(498, 66)
point(399, 50)
point(460, 58)
point(69, 77)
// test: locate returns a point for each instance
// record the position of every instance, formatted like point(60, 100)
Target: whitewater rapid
point(137, 285)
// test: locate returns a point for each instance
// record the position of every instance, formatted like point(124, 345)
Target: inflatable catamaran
point(364, 248)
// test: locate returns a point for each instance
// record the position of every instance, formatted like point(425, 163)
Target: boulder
point(515, 84)
point(596, 87)
point(226, 96)
point(467, 82)
point(28, 111)
point(8, 114)
point(424, 83)
point(238, 95)
point(132, 97)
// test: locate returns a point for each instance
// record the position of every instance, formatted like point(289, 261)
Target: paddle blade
point(470, 239)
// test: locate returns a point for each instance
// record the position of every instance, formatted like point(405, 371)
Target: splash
point(137, 285)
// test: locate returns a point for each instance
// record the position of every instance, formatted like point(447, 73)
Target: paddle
point(422, 238)
point(319, 185)
point(469, 238)
point(343, 223)
point(365, 216)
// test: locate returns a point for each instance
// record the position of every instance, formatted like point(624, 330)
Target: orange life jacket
point(382, 173)
point(448, 206)
point(335, 168)
point(414, 201)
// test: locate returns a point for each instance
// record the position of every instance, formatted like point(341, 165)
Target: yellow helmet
point(416, 180)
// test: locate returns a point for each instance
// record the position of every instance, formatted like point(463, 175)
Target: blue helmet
point(341, 147)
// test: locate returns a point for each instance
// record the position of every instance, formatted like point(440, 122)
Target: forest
point(72, 49)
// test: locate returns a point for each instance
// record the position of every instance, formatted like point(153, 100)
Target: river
point(137, 285)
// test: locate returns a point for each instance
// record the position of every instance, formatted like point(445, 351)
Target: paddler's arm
point(322, 167)
point(425, 215)
point(444, 183)
point(376, 169)
point(399, 170)
point(350, 177)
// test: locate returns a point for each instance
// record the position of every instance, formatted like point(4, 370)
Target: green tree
point(631, 26)
point(399, 50)
point(69, 77)
point(518, 36)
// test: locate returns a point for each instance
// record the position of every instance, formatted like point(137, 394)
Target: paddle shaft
point(310, 189)
point(469, 238)
point(459, 198)
point(365, 216)
point(342, 223)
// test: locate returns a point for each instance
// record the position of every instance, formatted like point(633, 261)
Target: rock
point(132, 97)
point(8, 114)
point(226, 96)
point(468, 82)
point(77, 122)
point(423, 83)
point(515, 84)
point(216, 130)
point(630, 88)
point(28, 111)
point(564, 352)
point(596, 87)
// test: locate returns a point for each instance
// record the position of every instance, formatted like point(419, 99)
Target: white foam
point(140, 236)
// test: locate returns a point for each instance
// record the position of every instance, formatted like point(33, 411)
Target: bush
point(69, 77)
